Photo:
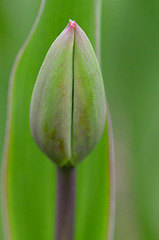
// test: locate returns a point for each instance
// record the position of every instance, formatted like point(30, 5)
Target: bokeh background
point(130, 66)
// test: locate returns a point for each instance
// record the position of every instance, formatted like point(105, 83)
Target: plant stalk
point(66, 181)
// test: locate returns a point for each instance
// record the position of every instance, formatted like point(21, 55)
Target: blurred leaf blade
point(14, 27)
point(130, 53)
point(30, 182)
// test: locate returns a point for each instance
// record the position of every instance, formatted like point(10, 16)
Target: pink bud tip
point(72, 23)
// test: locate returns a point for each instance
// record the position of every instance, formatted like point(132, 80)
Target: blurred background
point(130, 66)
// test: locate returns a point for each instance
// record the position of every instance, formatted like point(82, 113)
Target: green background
point(130, 66)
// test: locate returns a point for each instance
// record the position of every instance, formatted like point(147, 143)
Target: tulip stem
point(66, 181)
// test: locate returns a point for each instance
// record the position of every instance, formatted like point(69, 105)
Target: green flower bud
point(68, 105)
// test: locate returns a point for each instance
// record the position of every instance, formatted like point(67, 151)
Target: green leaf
point(29, 177)
point(14, 28)
point(130, 56)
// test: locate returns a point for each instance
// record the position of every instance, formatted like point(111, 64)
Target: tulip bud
point(68, 105)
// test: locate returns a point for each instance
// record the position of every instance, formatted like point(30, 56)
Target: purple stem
point(66, 181)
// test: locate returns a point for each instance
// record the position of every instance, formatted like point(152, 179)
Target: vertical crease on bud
point(72, 90)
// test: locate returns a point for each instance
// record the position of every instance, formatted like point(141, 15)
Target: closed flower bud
point(68, 106)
